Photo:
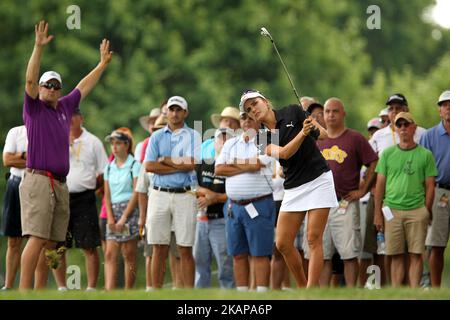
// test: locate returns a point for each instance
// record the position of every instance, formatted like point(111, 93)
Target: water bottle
point(201, 214)
point(194, 181)
point(381, 245)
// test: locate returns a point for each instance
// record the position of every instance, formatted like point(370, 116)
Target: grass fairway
point(217, 294)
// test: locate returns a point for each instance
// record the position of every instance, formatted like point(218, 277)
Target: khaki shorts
point(408, 227)
point(166, 209)
point(438, 232)
point(342, 233)
point(44, 214)
point(173, 249)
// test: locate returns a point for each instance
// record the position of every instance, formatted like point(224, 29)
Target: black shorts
point(83, 224)
point(103, 223)
point(12, 226)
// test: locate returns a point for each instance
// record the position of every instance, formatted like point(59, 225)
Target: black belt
point(215, 215)
point(173, 190)
point(248, 201)
point(443, 186)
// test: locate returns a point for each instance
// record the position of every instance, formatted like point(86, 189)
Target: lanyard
point(393, 137)
point(77, 153)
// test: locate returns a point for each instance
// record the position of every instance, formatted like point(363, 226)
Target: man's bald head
point(334, 113)
point(335, 103)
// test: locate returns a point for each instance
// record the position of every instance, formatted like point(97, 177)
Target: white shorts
point(171, 210)
point(315, 194)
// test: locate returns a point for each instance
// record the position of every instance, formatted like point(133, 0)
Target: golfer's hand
point(308, 126)
point(378, 221)
point(41, 31)
point(105, 54)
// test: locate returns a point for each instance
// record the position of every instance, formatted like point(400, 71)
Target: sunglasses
point(49, 86)
point(402, 123)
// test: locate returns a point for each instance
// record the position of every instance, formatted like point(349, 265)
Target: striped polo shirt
point(246, 185)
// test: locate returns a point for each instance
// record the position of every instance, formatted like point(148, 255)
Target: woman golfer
point(309, 185)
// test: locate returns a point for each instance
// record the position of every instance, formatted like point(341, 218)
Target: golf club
point(266, 33)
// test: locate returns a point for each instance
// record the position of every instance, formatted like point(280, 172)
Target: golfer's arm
point(323, 133)
point(288, 150)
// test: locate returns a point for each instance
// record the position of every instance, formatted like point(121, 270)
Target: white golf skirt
point(315, 194)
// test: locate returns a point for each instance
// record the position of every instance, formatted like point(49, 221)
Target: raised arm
point(88, 83)
point(292, 147)
point(32, 75)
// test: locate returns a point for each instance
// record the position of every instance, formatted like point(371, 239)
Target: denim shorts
point(254, 236)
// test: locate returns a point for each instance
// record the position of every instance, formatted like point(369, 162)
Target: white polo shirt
point(246, 185)
point(144, 182)
point(16, 141)
point(384, 138)
point(87, 160)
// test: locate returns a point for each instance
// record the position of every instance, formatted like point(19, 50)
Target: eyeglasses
point(402, 123)
point(50, 85)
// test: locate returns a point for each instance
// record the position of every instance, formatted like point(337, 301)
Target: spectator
point(14, 157)
point(122, 230)
point(43, 192)
point(315, 109)
point(405, 186)
point(251, 209)
point(171, 156)
point(210, 237)
point(384, 118)
point(373, 126)
point(437, 140)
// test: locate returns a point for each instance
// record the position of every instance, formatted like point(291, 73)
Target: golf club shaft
point(285, 69)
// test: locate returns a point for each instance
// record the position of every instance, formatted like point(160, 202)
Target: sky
point(441, 13)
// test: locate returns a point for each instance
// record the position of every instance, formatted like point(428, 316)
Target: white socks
point(242, 289)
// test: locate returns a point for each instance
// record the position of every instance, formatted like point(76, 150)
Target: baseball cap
point(249, 94)
point(406, 116)
point(445, 96)
point(397, 97)
point(46, 76)
point(314, 105)
point(383, 112)
point(117, 135)
point(374, 123)
point(177, 101)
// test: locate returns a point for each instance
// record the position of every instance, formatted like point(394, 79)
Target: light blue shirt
point(437, 140)
point(184, 142)
point(120, 179)
point(208, 151)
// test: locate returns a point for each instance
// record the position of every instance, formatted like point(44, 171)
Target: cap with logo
point(49, 75)
point(397, 97)
point(249, 94)
point(118, 135)
point(177, 101)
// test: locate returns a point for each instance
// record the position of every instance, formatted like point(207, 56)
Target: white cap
point(177, 101)
point(249, 95)
point(50, 75)
point(374, 123)
point(384, 112)
point(445, 96)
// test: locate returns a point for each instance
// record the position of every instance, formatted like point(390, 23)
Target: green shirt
point(405, 172)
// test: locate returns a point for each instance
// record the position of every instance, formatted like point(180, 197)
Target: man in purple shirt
point(44, 196)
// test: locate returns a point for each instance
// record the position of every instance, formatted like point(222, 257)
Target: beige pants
point(44, 212)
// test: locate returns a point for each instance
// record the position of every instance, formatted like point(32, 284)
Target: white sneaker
point(90, 289)
point(5, 289)
point(149, 289)
point(62, 289)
